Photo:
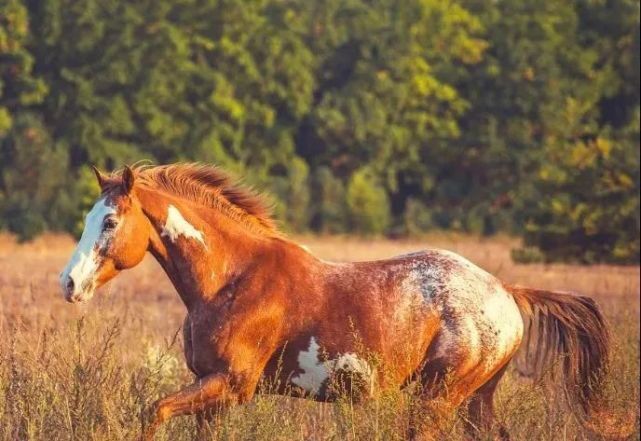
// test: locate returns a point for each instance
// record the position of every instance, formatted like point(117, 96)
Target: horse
point(259, 306)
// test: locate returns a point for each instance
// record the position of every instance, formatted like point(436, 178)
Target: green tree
point(329, 208)
point(31, 184)
point(368, 116)
point(586, 202)
point(27, 181)
point(367, 204)
point(19, 88)
point(383, 98)
point(292, 193)
point(583, 203)
point(170, 81)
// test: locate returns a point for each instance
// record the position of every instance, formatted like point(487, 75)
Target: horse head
point(115, 237)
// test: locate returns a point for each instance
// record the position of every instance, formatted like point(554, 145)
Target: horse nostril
point(70, 285)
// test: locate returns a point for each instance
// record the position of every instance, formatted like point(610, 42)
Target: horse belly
point(305, 368)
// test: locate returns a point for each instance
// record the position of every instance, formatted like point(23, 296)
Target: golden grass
point(90, 372)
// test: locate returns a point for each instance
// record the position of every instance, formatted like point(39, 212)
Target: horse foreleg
point(206, 393)
point(208, 420)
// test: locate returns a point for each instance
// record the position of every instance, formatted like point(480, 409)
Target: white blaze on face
point(81, 269)
point(176, 226)
point(316, 372)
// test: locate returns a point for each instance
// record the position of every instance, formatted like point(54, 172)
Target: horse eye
point(109, 224)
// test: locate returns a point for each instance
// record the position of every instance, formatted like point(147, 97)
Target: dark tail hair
point(571, 326)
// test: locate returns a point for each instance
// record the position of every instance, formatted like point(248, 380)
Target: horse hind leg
point(480, 418)
point(441, 393)
point(444, 390)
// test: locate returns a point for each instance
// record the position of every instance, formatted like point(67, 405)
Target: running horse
point(261, 306)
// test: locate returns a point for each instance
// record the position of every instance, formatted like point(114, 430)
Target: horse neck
point(199, 270)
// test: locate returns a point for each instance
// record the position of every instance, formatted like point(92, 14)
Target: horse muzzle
point(76, 294)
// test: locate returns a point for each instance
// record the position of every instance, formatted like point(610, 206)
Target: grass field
point(90, 372)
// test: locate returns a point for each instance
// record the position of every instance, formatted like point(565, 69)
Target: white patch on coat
point(176, 226)
point(481, 321)
point(471, 332)
point(352, 363)
point(494, 310)
point(316, 372)
point(85, 259)
point(501, 310)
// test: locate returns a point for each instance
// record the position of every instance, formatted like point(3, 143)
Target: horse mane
point(212, 187)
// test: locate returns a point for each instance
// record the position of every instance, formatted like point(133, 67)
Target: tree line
point(366, 116)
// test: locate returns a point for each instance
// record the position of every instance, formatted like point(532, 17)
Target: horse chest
point(205, 340)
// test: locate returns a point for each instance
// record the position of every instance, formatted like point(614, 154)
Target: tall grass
point(93, 372)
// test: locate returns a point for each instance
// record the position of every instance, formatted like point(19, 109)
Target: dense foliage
point(371, 116)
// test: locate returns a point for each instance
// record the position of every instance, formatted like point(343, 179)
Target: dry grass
point(90, 372)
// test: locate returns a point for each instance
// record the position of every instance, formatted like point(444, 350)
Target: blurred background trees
point(368, 116)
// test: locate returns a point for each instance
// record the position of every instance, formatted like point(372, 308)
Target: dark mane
point(212, 187)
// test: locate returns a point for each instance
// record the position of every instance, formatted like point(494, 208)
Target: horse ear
point(128, 179)
point(100, 177)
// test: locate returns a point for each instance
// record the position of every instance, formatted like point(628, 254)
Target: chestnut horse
point(260, 306)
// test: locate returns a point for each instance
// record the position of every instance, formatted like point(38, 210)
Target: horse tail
point(571, 326)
